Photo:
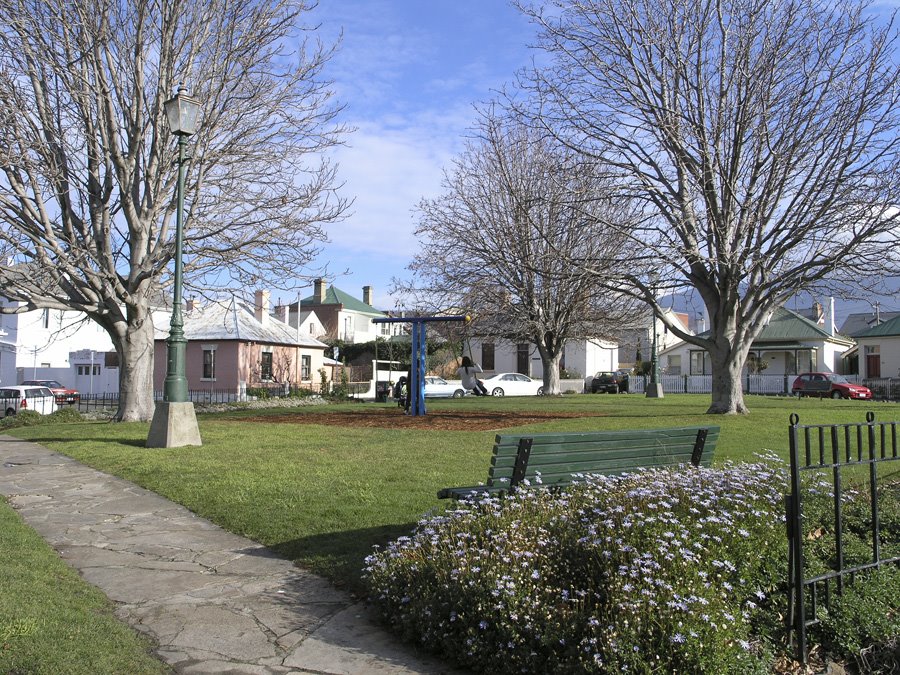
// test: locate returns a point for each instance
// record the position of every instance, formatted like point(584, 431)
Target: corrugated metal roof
point(861, 323)
point(234, 320)
point(885, 329)
point(788, 326)
point(335, 296)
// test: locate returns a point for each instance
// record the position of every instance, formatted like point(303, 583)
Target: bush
point(656, 571)
point(864, 621)
point(23, 418)
point(29, 418)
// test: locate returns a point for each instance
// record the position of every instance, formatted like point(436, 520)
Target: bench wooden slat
point(558, 456)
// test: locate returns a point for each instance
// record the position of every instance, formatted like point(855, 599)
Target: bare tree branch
point(759, 139)
point(87, 162)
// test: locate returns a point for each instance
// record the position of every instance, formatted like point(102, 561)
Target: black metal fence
point(826, 452)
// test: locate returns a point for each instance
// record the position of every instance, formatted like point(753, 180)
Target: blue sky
point(409, 73)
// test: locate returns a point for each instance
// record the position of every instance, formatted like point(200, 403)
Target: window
point(86, 369)
point(487, 355)
point(209, 363)
point(385, 329)
point(805, 361)
point(265, 366)
point(305, 366)
point(700, 363)
point(674, 366)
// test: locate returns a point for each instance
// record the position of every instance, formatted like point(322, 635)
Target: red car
point(829, 384)
point(63, 394)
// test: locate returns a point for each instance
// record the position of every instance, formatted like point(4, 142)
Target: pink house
point(232, 345)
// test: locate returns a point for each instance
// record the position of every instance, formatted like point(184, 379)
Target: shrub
point(656, 571)
point(23, 418)
point(30, 418)
point(63, 415)
point(864, 621)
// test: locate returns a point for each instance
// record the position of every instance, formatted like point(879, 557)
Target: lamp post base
point(655, 390)
point(174, 425)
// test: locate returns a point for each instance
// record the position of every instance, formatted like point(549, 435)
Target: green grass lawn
point(323, 495)
point(53, 622)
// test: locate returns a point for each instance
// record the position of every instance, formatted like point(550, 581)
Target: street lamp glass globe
point(181, 111)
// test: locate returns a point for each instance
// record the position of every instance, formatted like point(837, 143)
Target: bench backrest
point(556, 457)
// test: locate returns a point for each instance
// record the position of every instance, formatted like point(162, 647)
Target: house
point(342, 316)
point(880, 349)
point(855, 325)
point(231, 345)
point(580, 358)
point(788, 344)
point(56, 344)
point(635, 344)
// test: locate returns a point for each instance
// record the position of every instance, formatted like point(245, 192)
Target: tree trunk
point(135, 350)
point(727, 391)
point(550, 364)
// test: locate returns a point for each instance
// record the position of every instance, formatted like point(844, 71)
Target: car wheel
point(540, 391)
point(836, 394)
point(497, 392)
point(459, 393)
point(10, 411)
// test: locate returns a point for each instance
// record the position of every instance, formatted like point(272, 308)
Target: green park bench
point(558, 457)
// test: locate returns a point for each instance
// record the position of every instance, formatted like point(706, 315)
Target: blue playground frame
point(417, 369)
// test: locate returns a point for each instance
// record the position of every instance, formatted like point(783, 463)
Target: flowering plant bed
point(655, 571)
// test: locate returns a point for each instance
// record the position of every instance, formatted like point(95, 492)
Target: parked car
point(609, 382)
point(25, 397)
point(828, 384)
point(63, 394)
point(513, 384)
point(438, 387)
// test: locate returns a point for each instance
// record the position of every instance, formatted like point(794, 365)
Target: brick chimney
point(189, 305)
point(261, 307)
point(367, 295)
point(319, 292)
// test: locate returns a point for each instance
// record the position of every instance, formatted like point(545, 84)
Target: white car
point(438, 387)
point(26, 397)
point(513, 384)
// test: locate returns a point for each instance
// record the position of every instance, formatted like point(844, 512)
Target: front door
point(522, 359)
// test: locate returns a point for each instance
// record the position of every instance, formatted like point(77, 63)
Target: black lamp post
point(654, 389)
point(181, 112)
point(174, 421)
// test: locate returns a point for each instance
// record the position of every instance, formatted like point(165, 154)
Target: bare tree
point(88, 174)
point(760, 137)
point(518, 211)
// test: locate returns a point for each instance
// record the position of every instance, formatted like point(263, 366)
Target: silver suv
point(24, 397)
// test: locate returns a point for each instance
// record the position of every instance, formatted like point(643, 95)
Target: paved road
point(213, 602)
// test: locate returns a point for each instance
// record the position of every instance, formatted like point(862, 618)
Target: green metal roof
point(786, 325)
point(891, 327)
point(335, 296)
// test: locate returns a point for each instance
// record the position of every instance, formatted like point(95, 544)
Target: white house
point(580, 358)
point(787, 345)
point(56, 344)
point(879, 349)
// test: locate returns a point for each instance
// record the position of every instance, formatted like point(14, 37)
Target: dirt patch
point(393, 418)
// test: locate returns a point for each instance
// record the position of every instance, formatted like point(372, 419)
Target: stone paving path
point(214, 602)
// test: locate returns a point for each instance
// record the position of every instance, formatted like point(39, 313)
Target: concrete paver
point(212, 601)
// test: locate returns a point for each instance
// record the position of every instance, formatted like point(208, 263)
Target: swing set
point(416, 384)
